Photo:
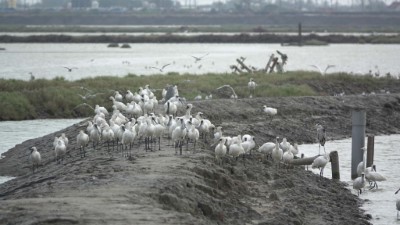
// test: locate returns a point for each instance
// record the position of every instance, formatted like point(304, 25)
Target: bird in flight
point(196, 59)
point(88, 96)
point(323, 72)
point(70, 68)
point(84, 104)
point(162, 68)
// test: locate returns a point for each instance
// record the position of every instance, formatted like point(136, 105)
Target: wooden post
point(358, 120)
point(370, 150)
point(334, 156)
point(300, 36)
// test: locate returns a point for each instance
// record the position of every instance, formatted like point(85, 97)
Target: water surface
point(92, 60)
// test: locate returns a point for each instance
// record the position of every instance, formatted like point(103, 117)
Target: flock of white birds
point(133, 119)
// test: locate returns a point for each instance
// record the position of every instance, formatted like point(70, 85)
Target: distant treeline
point(211, 38)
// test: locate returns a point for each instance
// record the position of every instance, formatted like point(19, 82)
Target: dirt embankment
point(159, 187)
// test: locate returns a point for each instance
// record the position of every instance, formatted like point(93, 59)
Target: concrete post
point(334, 156)
point(358, 120)
point(370, 150)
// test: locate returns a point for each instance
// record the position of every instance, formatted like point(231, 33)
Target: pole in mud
point(370, 150)
point(358, 120)
point(334, 156)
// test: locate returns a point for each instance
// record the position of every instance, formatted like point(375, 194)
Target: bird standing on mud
point(321, 136)
point(252, 87)
point(35, 158)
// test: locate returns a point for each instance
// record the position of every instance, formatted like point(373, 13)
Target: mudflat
point(160, 187)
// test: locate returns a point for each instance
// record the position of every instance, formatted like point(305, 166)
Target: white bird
point(178, 135)
point(359, 183)
point(271, 112)
point(252, 87)
point(373, 176)
point(267, 148)
point(60, 151)
point(220, 150)
point(294, 149)
point(218, 133)
point(277, 152)
point(170, 108)
point(127, 139)
point(236, 149)
point(129, 96)
point(82, 140)
point(64, 139)
point(361, 165)
point(192, 135)
point(287, 156)
point(320, 163)
point(95, 135)
point(107, 135)
point(204, 130)
point(197, 59)
point(397, 204)
point(321, 137)
point(323, 72)
point(119, 105)
point(35, 158)
point(248, 144)
point(284, 145)
point(162, 68)
point(158, 132)
point(118, 97)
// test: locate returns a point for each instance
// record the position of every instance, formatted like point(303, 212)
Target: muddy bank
point(158, 187)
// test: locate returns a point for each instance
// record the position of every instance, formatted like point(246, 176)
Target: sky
point(199, 2)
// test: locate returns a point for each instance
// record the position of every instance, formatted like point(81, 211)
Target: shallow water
point(381, 204)
point(16, 132)
point(48, 60)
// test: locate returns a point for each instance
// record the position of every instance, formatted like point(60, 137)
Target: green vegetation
point(58, 98)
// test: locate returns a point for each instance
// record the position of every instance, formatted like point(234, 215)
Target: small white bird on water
point(373, 176)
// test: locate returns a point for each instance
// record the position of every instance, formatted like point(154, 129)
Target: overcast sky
point(199, 2)
point(203, 2)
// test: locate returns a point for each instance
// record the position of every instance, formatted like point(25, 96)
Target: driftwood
point(243, 66)
point(272, 64)
point(269, 62)
point(303, 161)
